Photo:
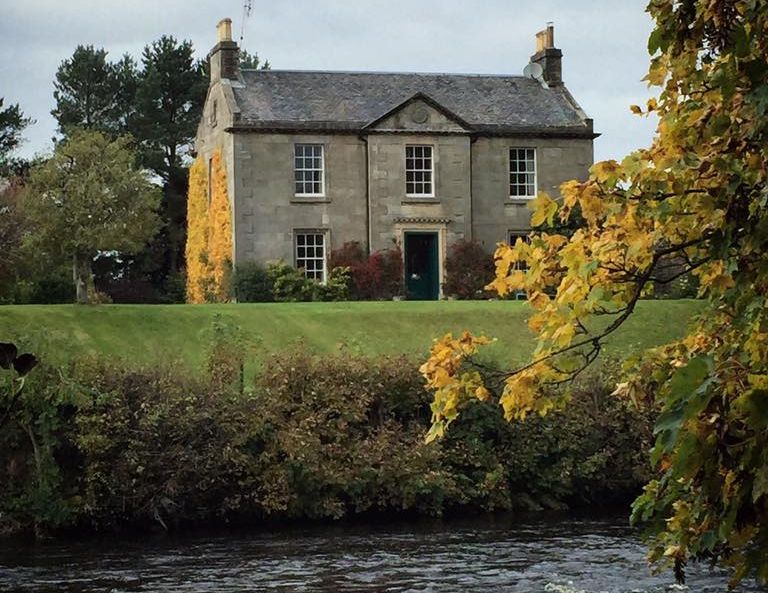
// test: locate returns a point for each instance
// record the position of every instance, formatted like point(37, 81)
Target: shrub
point(341, 435)
point(252, 283)
point(158, 446)
point(350, 255)
point(468, 270)
point(289, 284)
point(375, 277)
point(336, 287)
point(314, 436)
point(594, 451)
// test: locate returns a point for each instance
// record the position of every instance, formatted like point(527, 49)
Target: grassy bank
point(146, 333)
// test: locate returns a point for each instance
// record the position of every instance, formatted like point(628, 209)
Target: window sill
point(310, 200)
point(420, 200)
point(518, 201)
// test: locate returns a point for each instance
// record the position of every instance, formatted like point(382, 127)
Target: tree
point(92, 93)
point(697, 195)
point(252, 62)
point(169, 102)
point(12, 124)
point(87, 198)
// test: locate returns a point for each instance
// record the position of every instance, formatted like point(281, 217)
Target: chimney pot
point(224, 30)
point(548, 56)
point(223, 58)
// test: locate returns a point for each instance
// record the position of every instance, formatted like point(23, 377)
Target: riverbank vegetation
point(694, 203)
point(99, 445)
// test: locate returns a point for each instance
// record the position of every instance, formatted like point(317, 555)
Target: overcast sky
point(603, 43)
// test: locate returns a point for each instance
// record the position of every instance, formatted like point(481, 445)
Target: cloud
point(603, 43)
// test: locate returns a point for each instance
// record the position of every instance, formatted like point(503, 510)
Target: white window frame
point(323, 258)
point(431, 171)
point(526, 196)
point(297, 169)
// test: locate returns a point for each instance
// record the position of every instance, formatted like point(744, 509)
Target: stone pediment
point(419, 114)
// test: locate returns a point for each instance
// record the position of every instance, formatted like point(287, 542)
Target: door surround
point(439, 227)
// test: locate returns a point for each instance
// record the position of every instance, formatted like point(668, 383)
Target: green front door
point(422, 278)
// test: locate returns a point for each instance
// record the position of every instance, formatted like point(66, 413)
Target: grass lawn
point(171, 333)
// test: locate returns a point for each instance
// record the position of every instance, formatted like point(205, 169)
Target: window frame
point(431, 170)
point(526, 184)
point(303, 169)
point(324, 259)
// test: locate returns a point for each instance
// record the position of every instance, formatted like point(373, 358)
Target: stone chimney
point(548, 56)
point(224, 57)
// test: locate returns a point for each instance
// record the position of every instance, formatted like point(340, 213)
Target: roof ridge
point(382, 72)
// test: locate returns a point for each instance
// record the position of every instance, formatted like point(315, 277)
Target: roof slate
point(314, 100)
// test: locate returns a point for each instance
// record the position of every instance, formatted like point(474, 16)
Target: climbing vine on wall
point(209, 234)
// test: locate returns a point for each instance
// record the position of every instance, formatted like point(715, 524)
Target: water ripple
point(477, 555)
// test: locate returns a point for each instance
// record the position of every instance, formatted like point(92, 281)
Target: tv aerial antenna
point(247, 8)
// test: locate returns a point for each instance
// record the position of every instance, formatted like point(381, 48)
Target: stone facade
point(364, 158)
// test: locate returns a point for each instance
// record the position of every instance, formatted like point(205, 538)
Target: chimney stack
point(548, 56)
point(224, 57)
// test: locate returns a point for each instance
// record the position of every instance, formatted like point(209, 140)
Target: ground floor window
point(310, 254)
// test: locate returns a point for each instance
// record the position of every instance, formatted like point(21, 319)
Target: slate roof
point(348, 101)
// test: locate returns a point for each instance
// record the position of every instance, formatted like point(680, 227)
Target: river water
point(486, 554)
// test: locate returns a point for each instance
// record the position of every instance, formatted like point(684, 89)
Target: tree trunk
point(83, 278)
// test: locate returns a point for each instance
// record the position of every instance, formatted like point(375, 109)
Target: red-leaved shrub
point(375, 277)
point(468, 269)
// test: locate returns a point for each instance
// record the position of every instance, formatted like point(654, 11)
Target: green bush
point(289, 284)
point(252, 283)
point(336, 287)
point(594, 451)
point(313, 436)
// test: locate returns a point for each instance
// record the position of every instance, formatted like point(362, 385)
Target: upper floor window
point(522, 172)
point(309, 169)
point(310, 254)
point(419, 174)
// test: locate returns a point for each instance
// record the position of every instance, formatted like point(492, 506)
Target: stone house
point(315, 159)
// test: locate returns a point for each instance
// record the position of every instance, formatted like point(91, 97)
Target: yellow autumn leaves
point(209, 232)
point(601, 269)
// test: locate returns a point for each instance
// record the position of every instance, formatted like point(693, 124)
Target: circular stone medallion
point(420, 115)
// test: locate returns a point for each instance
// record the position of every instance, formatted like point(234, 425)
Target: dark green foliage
point(595, 451)
point(157, 447)
point(252, 61)
point(160, 104)
point(289, 285)
point(169, 99)
point(252, 283)
point(343, 435)
point(12, 124)
point(94, 94)
point(468, 270)
point(316, 436)
point(39, 287)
